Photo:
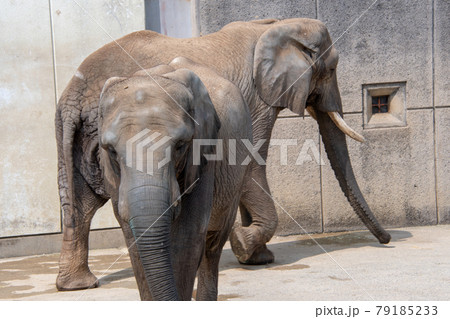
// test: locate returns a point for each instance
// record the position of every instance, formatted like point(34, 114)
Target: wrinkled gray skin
point(170, 229)
point(275, 64)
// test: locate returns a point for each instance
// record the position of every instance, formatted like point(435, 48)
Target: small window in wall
point(380, 104)
point(384, 105)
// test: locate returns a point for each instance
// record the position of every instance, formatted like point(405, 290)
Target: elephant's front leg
point(258, 214)
point(189, 233)
point(216, 237)
point(74, 272)
point(259, 221)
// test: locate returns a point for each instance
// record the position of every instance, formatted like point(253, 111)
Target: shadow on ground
point(288, 253)
point(116, 276)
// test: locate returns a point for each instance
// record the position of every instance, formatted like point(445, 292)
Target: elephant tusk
point(311, 112)
point(340, 123)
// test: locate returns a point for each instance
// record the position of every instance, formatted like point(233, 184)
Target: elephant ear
point(206, 122)
point(283, 61)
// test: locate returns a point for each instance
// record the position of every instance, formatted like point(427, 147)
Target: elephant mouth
point(340, 123)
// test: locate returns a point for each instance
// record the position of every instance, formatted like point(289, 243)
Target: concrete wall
point(403, 172)
point(171, 17)
point(42, 44)
point(441, 25)
point(28, 197)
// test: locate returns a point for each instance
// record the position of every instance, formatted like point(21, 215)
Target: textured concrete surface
point(28, 192)
point(295, 185)
point(414, 266)
point(391, 42)
point(80, 30)
point(214, 14)
point(29, 201)
point(395, 172)
point(442, 53)
point(443, 163)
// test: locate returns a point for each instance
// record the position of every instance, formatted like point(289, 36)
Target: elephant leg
point(188, 234)
point(246, 218)
point(258, 214)
point(138, 269)
point(259, 221)
point(74, 272)
point(208, 272)
point(186, 260)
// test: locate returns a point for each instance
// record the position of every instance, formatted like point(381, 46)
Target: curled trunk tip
point(384, 238)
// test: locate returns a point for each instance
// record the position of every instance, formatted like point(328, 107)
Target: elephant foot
point(249, 247)
point(261, 256)
point(76, 281)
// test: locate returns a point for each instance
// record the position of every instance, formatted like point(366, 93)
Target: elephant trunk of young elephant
point(336, 147)
point(150, 216)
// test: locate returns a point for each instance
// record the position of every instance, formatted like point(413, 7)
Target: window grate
point(380, 104)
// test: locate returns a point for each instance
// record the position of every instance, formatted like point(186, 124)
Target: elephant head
point(295, 66)
point(161, 110)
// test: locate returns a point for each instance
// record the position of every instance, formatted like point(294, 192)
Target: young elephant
point(167, 210)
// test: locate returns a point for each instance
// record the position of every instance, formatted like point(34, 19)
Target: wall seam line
point(322, 213)
point(433, 97)
point(195, 18)
point(321, 187)
point(52, 36)
point(55, 78)
point(317, 9)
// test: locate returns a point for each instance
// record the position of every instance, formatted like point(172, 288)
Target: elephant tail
point(67, 119)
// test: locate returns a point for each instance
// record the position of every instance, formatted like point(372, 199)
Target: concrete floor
point(414, 266)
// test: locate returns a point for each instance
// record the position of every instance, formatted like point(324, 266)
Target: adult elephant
point(276, 64)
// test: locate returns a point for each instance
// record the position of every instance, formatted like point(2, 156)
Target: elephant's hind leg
point(74, 272)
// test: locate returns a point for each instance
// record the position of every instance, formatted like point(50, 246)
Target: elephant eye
point(112, 154)
point(180, 147)
point(113, 160)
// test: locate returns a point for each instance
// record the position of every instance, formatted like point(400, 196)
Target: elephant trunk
point(150, 217)
point(336, 147)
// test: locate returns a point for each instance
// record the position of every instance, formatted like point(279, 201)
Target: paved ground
point(415, 266)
